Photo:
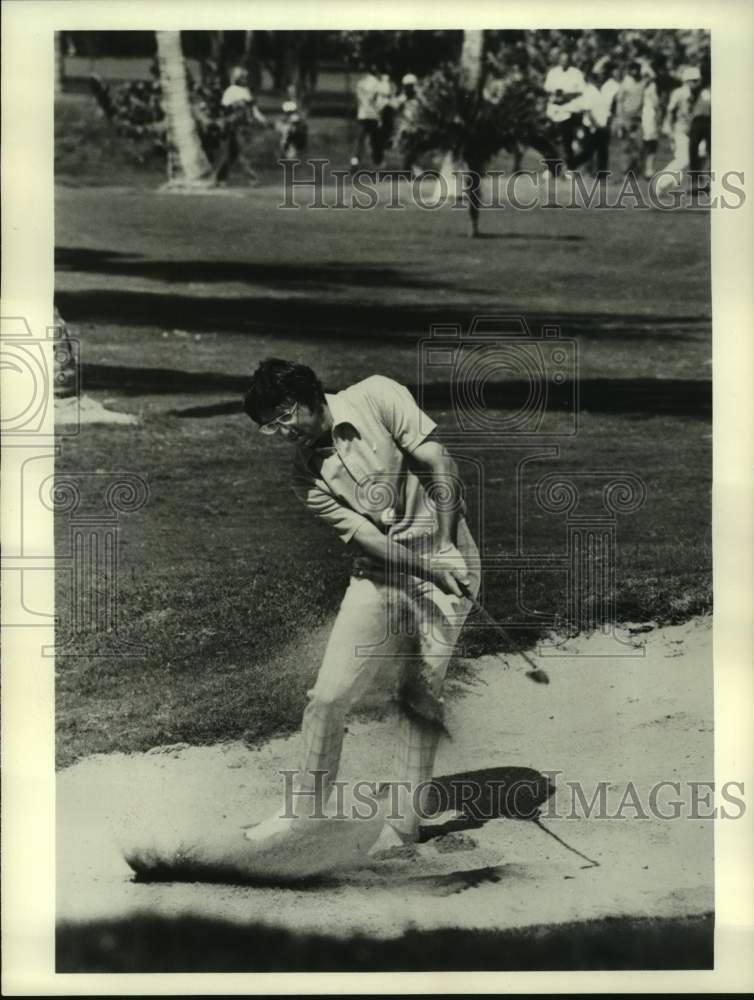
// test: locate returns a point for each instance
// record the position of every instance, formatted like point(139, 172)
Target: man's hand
point(445, 568)
point(449, 571)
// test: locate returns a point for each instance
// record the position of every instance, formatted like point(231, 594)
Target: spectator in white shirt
point(596, 108)
point(610, 76)
point(408, 107)
point(564, 83)
point(239, 109)
point(683, 105)
point(367, 116)
point(293, 131)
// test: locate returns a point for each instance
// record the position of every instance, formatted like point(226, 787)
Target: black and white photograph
point(380, 363)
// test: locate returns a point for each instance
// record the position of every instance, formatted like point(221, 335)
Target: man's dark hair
point(276, 382)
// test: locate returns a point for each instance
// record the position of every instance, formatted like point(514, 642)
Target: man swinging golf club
point(367, 462)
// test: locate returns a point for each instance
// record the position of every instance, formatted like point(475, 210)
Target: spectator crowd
point(580, 116)
point(583, 100)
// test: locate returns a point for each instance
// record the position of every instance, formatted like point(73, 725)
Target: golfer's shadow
point(482, 795)
point(479, 796)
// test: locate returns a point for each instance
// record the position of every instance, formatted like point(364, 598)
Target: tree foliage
point(474, 126)
point(399, 52)
point(136, 110)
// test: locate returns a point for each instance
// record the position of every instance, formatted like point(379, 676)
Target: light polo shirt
point(365, 475)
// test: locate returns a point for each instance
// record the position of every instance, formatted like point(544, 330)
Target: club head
point(538, 676)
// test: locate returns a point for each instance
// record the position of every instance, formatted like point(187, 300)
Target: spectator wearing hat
point(682, 106)
point(293, 132)
point(407, 106)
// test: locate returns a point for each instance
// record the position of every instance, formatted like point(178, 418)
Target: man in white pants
point(677, 125)
point(368, 463)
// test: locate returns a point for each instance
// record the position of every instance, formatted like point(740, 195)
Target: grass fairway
point(222, 577)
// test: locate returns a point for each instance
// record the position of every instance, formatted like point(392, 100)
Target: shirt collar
point(342, 414)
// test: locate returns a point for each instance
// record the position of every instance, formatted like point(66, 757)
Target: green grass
point(222, 577)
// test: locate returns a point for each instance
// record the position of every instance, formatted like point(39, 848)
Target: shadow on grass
point(146, 943)
point(311, 276)
point(319, 318)
point(90, 260)
point(527, 237)
point(688, 397)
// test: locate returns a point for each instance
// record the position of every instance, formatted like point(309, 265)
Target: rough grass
point(222, 578)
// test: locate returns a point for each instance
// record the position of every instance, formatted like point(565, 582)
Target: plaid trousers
point(417, 626)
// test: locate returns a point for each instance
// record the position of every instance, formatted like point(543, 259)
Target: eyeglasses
point(284, 420)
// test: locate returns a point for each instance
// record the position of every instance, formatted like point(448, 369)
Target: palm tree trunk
point(252, 61)
point(217, 46)
point(471, 59)
point(188, 166)
point(472, 70)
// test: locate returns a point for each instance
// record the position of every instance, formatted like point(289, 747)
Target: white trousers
point(378, 626)
point(671, 174)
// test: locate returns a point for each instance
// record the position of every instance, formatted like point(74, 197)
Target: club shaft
point(480, 609)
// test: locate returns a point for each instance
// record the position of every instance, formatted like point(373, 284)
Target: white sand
point(604, 717)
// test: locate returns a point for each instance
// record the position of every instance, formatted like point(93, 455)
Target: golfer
point(367, 461)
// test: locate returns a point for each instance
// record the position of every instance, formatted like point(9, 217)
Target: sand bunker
point(610, 715)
